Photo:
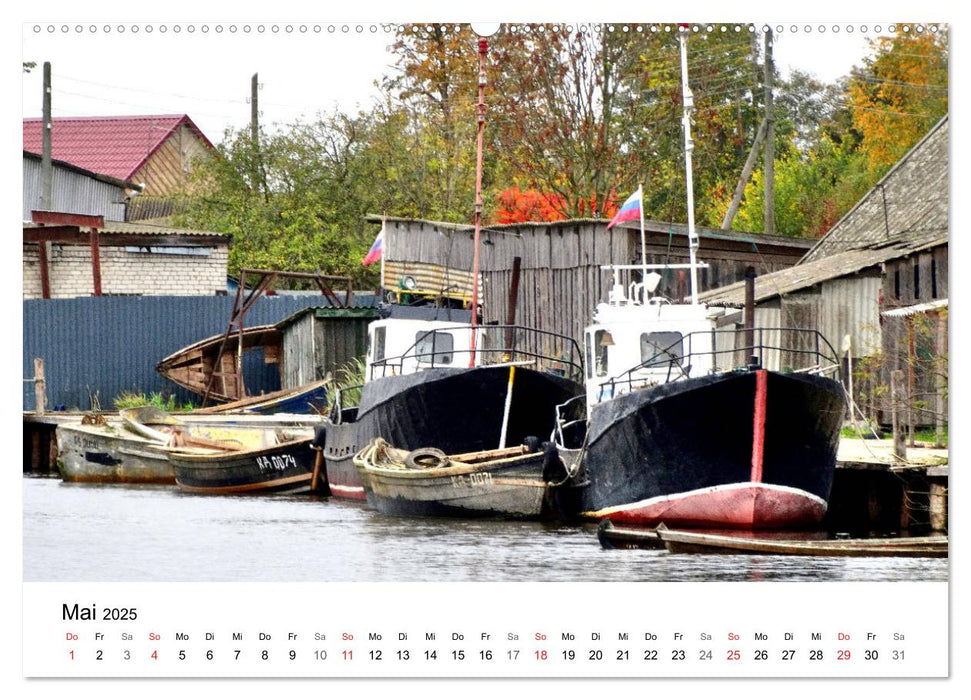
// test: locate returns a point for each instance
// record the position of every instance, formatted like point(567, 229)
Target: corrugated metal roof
point(362, 309)
point(113, 146)
point(142, 229)
point(153, 229)
point(810, 273)
point(108, 179)
point(916, 309)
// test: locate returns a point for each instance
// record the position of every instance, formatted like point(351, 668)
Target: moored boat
point(283, 463)
point(99, 450)
point(508, 483)
point(307, 399)
point(686, 542)
point(436, 382)
point(692, 421)
point(426, 384)
point(195, 368)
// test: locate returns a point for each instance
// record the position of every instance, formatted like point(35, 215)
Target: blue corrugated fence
point(101, 347)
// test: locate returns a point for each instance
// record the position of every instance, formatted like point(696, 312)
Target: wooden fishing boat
point(686, 542)
point(306, 399)
point(100, 450)
point(505, 483)
point(131, 447)
point(282, 463)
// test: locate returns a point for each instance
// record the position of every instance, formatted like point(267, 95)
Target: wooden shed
point(318, 341)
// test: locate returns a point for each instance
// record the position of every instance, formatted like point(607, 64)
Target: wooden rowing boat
point(686, 542)
point(613, 537)
point(283, 465)
point(132, 447)
point(505, 483)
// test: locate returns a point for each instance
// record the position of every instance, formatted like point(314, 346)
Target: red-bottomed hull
point(743, 506)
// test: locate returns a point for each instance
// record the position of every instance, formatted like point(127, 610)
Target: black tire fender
point(426, 458)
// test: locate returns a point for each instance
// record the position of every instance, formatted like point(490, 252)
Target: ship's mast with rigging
point(689, 105)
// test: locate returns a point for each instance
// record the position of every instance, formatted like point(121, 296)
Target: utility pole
point(743, 178)
point(769, 165)
point(47, 126)
point(255, 110)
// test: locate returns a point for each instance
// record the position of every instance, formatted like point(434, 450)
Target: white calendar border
point(177, 9)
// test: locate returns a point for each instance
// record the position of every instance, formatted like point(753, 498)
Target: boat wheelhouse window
point(601, 341)
point(379, 335)
point(661, 347)
point(434, 347)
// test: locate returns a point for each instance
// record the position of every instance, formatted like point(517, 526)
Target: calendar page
point(486, 355)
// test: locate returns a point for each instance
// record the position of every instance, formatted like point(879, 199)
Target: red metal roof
point(115, 146)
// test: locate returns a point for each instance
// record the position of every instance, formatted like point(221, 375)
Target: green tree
point(293, 204)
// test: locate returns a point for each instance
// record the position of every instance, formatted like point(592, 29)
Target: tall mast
point(689, 105)
point(483, 50)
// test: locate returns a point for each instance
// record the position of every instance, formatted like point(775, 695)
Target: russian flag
point(631, 209)
point(374, 254)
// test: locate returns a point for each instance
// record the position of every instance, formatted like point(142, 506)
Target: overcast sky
point(203, 69)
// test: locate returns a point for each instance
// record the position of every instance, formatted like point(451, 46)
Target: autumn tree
point(845, 136)
point(899, 93)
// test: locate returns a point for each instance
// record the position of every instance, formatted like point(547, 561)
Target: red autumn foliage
point(517, 206)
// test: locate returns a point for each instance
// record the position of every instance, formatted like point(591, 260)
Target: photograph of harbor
point(519, 302)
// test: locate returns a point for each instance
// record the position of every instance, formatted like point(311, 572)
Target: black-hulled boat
point(693, 422)
point(284, 463)
point(420, 391)
point(688, 437)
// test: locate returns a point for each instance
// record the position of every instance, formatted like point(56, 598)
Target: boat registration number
point(276, 463)
point(462, 481)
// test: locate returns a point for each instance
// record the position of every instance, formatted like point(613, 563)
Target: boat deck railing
point(346, 398)
point(499, 345)
point(784, 349)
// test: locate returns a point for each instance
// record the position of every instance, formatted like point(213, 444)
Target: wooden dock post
point(937, 500)
point(896, 392)
point(938, 506)
point(40, 387)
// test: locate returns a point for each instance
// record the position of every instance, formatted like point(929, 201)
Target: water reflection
point(82, 532)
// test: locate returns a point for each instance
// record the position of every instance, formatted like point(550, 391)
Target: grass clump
point(129, 399)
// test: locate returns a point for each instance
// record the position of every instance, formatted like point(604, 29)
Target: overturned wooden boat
point(687, 542)
point(200, 366)
point(507, 482)
point(283, 462)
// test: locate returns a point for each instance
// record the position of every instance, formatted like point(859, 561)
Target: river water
point(89, 532)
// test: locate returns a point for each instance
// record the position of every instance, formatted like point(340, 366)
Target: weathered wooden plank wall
point(561, 279)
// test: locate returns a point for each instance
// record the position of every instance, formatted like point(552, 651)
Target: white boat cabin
point(632, 344)
point(404, 346)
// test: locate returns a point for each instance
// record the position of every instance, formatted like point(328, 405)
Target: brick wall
point(123, 272)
